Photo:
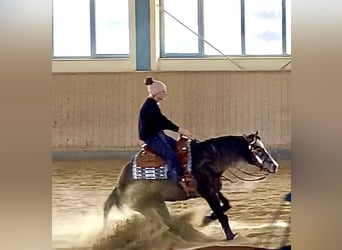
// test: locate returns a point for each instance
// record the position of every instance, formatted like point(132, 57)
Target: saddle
point(147, 159)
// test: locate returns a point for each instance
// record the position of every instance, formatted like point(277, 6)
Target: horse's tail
point(113, 199)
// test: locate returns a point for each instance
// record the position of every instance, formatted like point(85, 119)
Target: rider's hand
point(186, 133)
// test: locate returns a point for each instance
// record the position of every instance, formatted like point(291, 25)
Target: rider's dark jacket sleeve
point(152, 121)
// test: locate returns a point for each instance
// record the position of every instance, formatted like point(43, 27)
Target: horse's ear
point(249, 138)
point(256, 133)
point(252, 138)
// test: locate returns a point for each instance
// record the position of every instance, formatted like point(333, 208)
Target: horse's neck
point(224, 152)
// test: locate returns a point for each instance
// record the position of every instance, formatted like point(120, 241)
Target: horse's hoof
point(233, 237)
point(206, 220)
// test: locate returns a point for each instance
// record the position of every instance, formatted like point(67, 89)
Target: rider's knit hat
point(154, 87)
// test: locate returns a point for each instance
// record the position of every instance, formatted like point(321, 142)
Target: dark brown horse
point(210, 159)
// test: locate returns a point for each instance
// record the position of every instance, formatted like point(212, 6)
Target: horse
point(210, 159)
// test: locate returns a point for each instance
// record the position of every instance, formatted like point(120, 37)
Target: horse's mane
point(227, 143)
point(225, 148)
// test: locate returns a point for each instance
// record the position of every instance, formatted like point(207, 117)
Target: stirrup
point(189, 191)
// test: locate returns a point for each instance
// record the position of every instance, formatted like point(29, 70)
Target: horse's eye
point(258, 150)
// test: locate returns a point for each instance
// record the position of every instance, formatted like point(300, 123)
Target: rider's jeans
point(163, 145)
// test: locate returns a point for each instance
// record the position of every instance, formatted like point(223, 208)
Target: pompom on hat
point(154, 87)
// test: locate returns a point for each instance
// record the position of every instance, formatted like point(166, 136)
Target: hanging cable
point(286, 64)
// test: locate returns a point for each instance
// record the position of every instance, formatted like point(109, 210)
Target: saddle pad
point(151, 173)
point(148, 173)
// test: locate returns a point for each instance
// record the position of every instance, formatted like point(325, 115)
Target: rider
point(151, 125)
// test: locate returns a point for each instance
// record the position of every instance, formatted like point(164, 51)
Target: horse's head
point(259, 154)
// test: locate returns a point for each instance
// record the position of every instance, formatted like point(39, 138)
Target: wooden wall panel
point(100, 110)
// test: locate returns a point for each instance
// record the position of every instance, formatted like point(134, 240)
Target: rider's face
point(160, 96)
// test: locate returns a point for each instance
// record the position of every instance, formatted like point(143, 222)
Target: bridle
point(253, 148)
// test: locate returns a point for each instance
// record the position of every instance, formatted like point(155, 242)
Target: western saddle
point(147, 158)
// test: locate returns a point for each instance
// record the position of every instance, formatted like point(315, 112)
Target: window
point(183, 41)
point(288, 26)
point(161, 35)
point(204, 28)
point(71, 29)
point(222, 26)
point(263, 27)
point(112, 32)
point(90, 28)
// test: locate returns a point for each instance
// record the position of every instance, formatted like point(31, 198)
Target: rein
point(255, 175)
point(226, 178)
point(243, 179)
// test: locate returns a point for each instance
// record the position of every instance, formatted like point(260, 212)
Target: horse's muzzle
point(271, 167)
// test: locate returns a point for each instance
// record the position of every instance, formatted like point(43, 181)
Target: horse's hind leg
point(151, 208)
point(156, 210)
point(175, 226)
point(113, 199)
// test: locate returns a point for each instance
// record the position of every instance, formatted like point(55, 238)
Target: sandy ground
point(240, 248)
point(231, 248)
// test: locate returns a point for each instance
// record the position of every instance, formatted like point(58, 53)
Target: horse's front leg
point(225, 206)
point(225, 202)
point(214, 202)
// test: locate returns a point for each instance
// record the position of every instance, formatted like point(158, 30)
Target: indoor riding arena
point(226, 66)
